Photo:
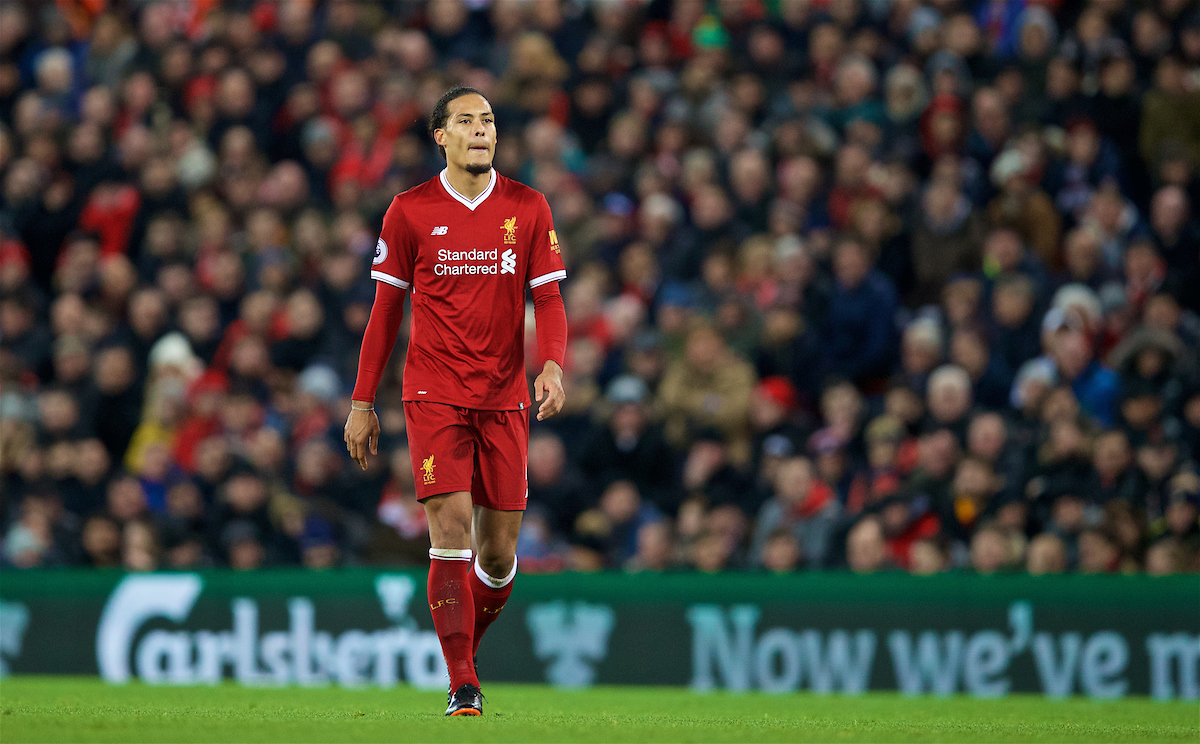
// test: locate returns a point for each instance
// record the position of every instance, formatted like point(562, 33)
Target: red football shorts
point(462, 449)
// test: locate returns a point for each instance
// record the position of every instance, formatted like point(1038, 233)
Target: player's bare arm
point(549, 384)
point(362, 432)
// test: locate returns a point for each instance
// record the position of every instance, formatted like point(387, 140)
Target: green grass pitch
point(65, 709)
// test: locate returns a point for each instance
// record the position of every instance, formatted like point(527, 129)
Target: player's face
point(469, 135)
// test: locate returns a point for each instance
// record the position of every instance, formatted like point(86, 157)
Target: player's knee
point(447, 530)
point(452, 533)
point(496, 564)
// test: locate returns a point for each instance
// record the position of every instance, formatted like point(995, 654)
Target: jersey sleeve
point(545, 258)
point(393, 262)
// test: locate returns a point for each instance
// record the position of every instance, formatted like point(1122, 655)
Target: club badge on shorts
point(427, 468)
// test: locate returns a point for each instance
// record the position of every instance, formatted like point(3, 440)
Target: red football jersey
point(468, 263)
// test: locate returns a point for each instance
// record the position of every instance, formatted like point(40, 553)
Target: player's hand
point(361, 434)
point(548, 385)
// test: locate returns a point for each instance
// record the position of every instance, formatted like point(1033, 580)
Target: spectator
point(241, 544)
point(922, 349)
point(318, 544)
point(961, 300)
point(84, 492)
point(1169, 112)
point(1085, 261)
point(773, 418)
point(1094, 385)
point(1089, 160)
point(865, 550)
point(1114, 475)
point(971, 496)
point(709, 386)
point(1175, 232)
point(101, 541)
point(654, 548)
point(949, 400)
point(990, 377)
point(554, 484)
point(1098, 552)
point(937, 459)
point(857, 348)
point(140, 551)
point(114, 400)
point(1017, 329)
point(781, 554)
point(989, 550)
point(708, 474)
point(802, 505)
point(30, 541)
point(1004, 254)
point(992, 128)
point(1116, 110)
point(402, 533)
point(927, 558)
point(1179, 521)
point(304, 336)
point(629, 447)
point(1047, 555)
point(1024, 208)
point(616, 521)
point(1164, 558)
point(890, 457)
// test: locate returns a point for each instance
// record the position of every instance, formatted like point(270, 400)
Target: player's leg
point(500, 491)
point(443, 453)
point(450, 601)
point(495, 566)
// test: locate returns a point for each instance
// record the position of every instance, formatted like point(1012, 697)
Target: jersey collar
point(470, 204)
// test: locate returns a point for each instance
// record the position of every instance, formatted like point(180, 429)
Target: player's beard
point(478, 169)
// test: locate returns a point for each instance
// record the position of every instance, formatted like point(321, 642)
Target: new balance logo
point(508, 262)
point(440, 230)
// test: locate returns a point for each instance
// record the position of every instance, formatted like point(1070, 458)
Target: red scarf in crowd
point(819, 495)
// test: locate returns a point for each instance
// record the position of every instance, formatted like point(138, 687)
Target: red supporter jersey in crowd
point(468, 263)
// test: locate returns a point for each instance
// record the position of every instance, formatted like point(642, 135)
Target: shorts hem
point(502, 507)
point(420, 498)
point(495, 507)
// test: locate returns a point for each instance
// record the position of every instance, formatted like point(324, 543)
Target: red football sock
point(451, 605)
point(489, 598)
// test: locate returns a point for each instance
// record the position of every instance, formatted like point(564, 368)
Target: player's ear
point(439, 136)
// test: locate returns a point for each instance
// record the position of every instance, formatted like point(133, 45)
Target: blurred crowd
point(867, 284)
